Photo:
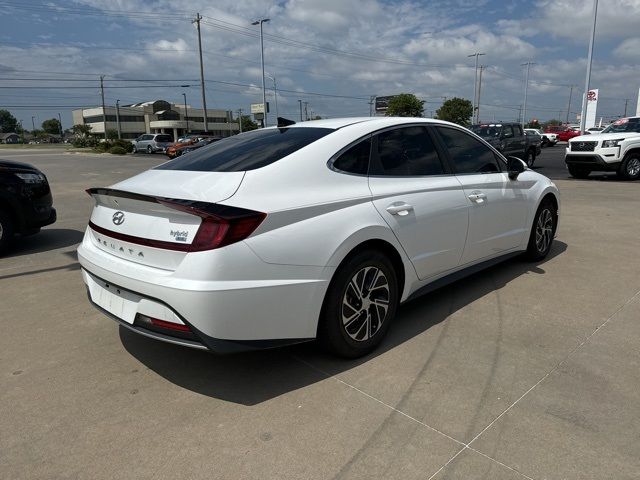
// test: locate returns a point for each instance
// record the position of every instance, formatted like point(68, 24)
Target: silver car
point(152, 142)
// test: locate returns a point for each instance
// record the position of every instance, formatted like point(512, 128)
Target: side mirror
point(515, 167)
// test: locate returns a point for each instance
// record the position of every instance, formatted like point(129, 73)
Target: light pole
point(118, 119)
point(62, 134)
point(275, 93)
point(583, 113)
point(33, 124)
point(264, 95)
point(202, 84)
point(526, 90)
point(300, 104)
point(475, 82)
point(186, 113)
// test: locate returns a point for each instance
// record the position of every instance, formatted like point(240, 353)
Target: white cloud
point(629, 49)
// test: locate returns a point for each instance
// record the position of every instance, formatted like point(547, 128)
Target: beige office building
point(155, 117)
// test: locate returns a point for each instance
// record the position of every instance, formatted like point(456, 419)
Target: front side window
point(468, 154)
point(355, 159)
point(507, 131)
point(406, 151)
point(247, 151)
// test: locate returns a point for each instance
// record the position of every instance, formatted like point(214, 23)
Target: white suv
point(615, 149)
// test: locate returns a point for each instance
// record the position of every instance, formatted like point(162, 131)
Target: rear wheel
point(359, 306)
point(543, 230)
point(630, 167)
point(578, 172)
point(6, 231)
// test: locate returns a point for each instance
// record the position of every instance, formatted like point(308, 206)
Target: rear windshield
point(164, 138)
point(247, 151)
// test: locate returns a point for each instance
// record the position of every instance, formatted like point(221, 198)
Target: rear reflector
point(170, 325)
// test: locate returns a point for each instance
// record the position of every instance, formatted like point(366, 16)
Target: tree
point(456, 110)
point(112, 134)
point(405, 105)
point(8, 123)
point(247, 123)
point(51, 126)
point(81, 130)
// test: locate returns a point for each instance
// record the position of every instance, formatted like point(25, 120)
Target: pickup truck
point(615, 149)
point(510, 140)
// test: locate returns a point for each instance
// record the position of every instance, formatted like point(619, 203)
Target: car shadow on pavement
point(44, 241)
point(254, 377)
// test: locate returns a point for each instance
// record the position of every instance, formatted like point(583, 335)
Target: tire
point(6, 232)
point(366, 323)
point(530, 158)
point(149, 149)
point(546, 142)
point(578, 172)
point(543, 231)
point(135, 150)
point(630, 167)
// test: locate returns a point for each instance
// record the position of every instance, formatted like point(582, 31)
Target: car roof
point(374, 122)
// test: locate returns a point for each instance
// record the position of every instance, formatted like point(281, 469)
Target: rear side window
point(164, 138)
point(468, 154)
point(355, 159)
point(247, 151)
point(406, 151)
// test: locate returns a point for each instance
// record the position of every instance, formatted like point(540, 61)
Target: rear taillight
point(221, 225)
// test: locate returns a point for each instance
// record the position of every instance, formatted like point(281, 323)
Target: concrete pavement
point(522, 371)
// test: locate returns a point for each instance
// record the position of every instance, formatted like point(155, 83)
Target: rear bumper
point(277, 305)
point(593, 161)
point(202, 341)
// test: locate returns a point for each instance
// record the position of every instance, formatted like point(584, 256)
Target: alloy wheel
point(365, 303)
point(544, 230)
point(633, 167)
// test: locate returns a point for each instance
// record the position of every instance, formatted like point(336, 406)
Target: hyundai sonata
point(314, 230)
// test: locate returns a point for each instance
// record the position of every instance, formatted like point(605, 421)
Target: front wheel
point(6, 232)
point(135, 150)
point(529, 158)
point(359, 305)
point(149, 149)
point(542, 232)
point(630, 167)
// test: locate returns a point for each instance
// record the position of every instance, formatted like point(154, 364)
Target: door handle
point(400, 209)
point(477, 197)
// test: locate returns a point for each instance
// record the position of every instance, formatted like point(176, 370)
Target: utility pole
point(626, 101)
point(306, 114)
point(118, 118)
point(104, 113)
point(475, 82)
point(240, 119)
point(186, 112)
point(526, 91)
point(275, 94)
point(372, 100)
point(587, 81)
point(569, 105)
point(33, 124)
point(264, 93)
point(62, 134)
point(482, 67)
point(204, 99)
point(300, 104)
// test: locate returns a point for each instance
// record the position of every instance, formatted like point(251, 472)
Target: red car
point(564, 133)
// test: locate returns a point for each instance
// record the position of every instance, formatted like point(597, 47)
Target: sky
point(333, 54)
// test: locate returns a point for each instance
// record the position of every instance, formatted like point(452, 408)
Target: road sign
point(258, 108)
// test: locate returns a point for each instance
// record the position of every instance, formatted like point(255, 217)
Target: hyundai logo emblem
point(118, 218)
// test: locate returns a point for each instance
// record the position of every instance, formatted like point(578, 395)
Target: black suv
point(25, 201)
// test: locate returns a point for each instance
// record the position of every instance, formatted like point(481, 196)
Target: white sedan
point(315, 230)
